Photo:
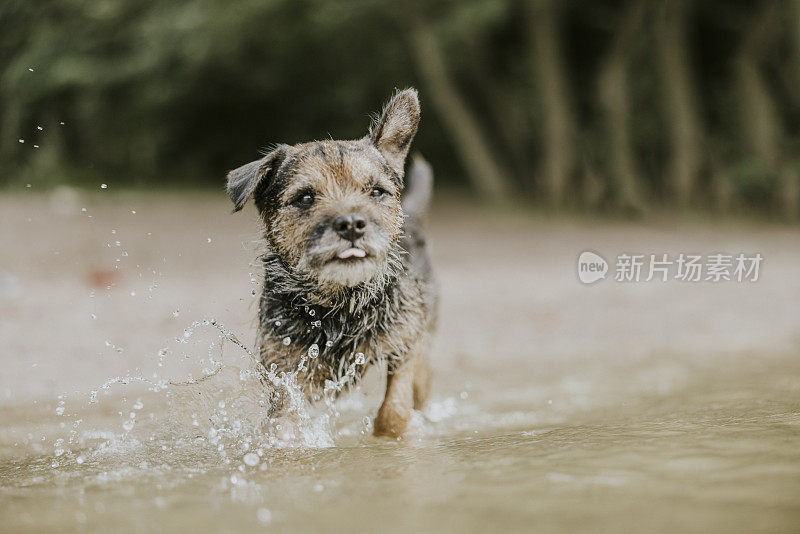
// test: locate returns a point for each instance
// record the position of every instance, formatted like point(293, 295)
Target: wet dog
point(348, 281)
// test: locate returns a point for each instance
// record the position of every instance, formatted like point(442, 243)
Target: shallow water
point(555, 406)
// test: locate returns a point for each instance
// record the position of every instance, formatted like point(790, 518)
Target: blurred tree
point(680, 101)
point(485, 172)
point(553, 90)
point(614, 97)
point(762, 126)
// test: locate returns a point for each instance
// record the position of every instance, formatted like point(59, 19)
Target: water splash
point(234, 412)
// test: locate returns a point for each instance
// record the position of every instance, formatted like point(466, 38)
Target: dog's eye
point(378, 192)
point(303, 199)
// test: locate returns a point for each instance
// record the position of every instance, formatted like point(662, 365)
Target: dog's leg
point(395, 412)
point(422, 382)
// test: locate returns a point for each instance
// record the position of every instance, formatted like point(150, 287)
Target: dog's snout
point(350, 227)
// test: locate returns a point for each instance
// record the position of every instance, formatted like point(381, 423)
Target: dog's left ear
point(242, 182)
point(393, 132)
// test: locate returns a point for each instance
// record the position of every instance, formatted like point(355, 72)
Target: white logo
point(591, 267)
point(684, 267)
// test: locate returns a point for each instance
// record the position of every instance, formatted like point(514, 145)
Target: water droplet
point(277, 323)
point(103, 186)
point(329, 343)
point(311, 312)
point(22, 140)
point(209, 240)
point(287, 341)
point(264, 515)
point(360, 358)
point(93, 316)
point(30, 69)
point(60, 410)
point(251, 459)
point(39, 128)
point(176, 313)
point(133, 212)
point(313, 351)
point(133, 293)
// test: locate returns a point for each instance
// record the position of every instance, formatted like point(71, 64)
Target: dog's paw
point(391, 423)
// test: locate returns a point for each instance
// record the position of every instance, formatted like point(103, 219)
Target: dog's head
point(332, 208)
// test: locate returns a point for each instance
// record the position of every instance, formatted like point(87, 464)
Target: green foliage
point(753, 179)
point(150, 89)
point(157, 91)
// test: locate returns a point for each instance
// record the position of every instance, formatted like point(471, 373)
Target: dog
point(347, 273)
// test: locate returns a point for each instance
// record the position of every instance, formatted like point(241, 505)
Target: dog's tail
point(419, 187)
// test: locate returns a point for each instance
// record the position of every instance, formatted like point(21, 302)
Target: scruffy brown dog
point(347, 274)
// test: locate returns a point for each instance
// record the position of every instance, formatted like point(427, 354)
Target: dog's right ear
point(242, 182)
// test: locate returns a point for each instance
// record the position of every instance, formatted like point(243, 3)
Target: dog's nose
point(350, 227)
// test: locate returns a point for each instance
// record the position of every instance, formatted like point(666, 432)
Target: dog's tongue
point(351, 253)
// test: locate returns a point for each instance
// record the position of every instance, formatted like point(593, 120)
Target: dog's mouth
point(351, 254)
point(349, 264)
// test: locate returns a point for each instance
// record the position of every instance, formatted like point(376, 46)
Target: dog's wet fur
point(347, 270)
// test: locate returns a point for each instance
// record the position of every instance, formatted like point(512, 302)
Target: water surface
point(555, 407)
